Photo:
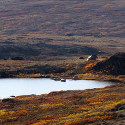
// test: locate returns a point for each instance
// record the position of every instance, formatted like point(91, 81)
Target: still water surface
point(9, 87)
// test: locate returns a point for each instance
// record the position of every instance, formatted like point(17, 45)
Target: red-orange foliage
point(90, 65)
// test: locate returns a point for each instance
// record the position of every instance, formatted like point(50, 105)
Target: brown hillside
point(104, 106)
point(53, 30)
point(115, 65)
point(67, 17)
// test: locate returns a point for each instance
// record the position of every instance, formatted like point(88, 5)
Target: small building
point(92, 57)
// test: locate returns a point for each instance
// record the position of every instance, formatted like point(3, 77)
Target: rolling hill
point(99, 24)
point(67, 17)
point(63, 17)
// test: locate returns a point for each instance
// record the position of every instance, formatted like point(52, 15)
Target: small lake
point(10, 87)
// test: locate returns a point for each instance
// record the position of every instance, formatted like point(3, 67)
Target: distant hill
point(63, 17)
point(61, 29)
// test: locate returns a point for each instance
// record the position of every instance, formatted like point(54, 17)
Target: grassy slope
point(69, 108)
point(99, 24)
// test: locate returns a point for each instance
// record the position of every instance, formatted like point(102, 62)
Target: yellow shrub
point(21, 112)
point(3, 112)
point(89, 120)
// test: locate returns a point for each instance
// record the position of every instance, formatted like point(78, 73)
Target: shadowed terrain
point(56, 29)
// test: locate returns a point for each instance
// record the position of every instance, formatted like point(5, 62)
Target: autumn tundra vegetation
point(76, 107)
point(96, 106)
point(53, 39)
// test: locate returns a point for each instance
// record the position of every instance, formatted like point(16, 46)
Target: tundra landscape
point(53, 39)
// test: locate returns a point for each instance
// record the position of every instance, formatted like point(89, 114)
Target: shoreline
point(87, 76)
point(81, 106)
point(71, 107)
point(42, 81)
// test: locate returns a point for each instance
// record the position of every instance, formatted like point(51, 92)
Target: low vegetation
point(66, 107)
point(96, 106)
point(68, 17)
point(50, 38)
point(75, 68)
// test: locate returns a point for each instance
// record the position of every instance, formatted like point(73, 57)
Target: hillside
point(52, 39)
point(110, 69)
point(115, 65)
point(104, 106)
point(57, 30)
point(68, 17)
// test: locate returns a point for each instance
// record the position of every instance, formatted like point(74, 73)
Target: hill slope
point(104, 106)
point(67, 17)
point(115, 65)
point(56, 29)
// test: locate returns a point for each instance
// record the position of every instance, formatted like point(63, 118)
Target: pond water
point(10, 87)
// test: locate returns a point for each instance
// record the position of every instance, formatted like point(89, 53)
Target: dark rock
point(12, 96)
point(63, 80)
point(69, 34)
point(8, 100)
point(5, 58)
point(4, 74)
point(121, 115)
point(120, 106)
point(17, 58)
point(81, 57)
point(56, 79)
point(75, 78)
